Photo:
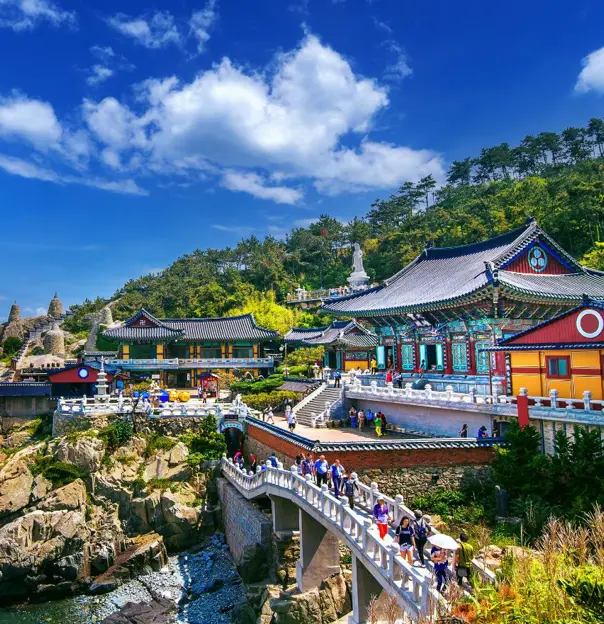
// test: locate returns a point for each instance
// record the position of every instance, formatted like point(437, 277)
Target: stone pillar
point(364, 589)
point(319, 553)
point(286, 516)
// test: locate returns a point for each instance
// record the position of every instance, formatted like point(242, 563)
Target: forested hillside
point(557, 178)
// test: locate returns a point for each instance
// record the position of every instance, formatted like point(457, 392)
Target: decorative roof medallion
point(537, 259)
point(590, 323)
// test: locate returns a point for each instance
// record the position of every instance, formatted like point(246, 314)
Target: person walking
point(307, 467)
point(199, 391)
point(253, 463)
point(361, 415)
point(441, 565)
point(337, 473)
point(378, 425)
point(270, 416)
point(337, 376)
point(381, 516)
point(352, 414)
point(421, 529)
point(349, 485)
point(204, 397)
point(273, 460)
point(389, 377)
point(321, 469)
point(370, 418)
point(464, 431)
point(398, 380)
point(406, 539)
point(463, 560)
point(482, 433)
point(384, 422)
point(291, 421)
point(288, 411)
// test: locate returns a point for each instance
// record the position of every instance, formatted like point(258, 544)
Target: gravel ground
point(203, 581)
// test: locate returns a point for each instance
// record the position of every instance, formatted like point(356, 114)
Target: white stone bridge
point(323, 521)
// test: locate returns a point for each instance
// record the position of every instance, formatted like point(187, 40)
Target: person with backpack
point(463, 560)
point(406, 539)
point(421, 528)
point(349, 485)
point(337, 472)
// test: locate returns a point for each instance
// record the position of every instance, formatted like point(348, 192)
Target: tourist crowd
point(411, 533)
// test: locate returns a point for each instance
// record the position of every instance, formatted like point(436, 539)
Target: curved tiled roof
point(572, 286)
point(242, 327)
point(346, 332)
point(447, 276)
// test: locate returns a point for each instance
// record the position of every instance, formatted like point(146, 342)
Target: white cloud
point(24, 169)
point(27, 14)
point(103, 53)
point(201, 23)
point(591, 77)
point(241, 230)
point(400, 68)
point(382, 25)
point(31, 120)
point(98, 74)
point(253, 184)
point(155, 31)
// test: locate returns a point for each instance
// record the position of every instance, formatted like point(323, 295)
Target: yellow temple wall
point(529, 371)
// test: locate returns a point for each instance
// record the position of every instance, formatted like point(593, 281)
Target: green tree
point(267, 312)
point(207, 444)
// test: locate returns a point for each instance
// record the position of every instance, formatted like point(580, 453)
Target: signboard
point(381, 357)
point(226, 423)
point(155, 376)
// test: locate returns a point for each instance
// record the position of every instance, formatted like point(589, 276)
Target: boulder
point(178, 454)
point(15, 485)
point(42, 548)
point(70, 497)
point(41, 487)
point(156, 611)
point(156, 468)
point(85, 453)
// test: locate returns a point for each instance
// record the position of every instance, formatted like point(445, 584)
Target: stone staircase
point(316, 405)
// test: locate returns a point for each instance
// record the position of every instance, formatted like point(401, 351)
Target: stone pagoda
point(55, 307)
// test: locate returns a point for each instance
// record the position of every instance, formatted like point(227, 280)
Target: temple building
point(565, 353)
point(177, 352)
point(347, 344)
point(440, 312)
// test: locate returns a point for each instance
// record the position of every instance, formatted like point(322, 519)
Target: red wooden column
point(472, 361)
point(399, 357)
point(449, 357)
point(523, 408)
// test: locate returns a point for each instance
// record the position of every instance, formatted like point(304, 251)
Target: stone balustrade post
point(497, 391)
point(313, 419)
point(292, 477)
point(390, 388)
point(428, 391)
point(258, 469)
point(472, 395)
point(251, 473)
point(587, 399)
point(448, 393)
point(553, 397)
point(324, 490)
point(395, 551)
point(398, 511)
point(366, 526)
point(373, 387)
point(372, 494)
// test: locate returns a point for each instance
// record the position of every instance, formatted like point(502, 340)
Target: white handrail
point(413, 587)
point(309, 397)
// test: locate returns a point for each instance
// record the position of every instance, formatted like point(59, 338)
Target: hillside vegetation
point(556, 178)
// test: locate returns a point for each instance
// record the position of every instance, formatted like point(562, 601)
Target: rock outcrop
point(85, 453)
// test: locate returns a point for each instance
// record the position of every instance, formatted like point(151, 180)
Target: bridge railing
point(384, 558)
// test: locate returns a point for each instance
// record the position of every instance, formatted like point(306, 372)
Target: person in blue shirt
point(321, 468)
point(441, 564)
point(273, 460)
point(337, 379)
point(482, 432)
point(337, 474)
point(369, 418)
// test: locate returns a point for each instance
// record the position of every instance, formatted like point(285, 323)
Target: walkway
point(377, 564)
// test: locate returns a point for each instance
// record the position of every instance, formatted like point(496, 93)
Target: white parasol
point(443, 541)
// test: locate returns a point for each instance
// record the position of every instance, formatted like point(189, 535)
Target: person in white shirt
point(291, 421)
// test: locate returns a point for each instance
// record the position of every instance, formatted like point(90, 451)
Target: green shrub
point(11, 346)
point(256, 387)
point(162, 484)
point(206, 445)
point(116, 435)
point(57, 472)
point(270, 399)
point(157, 442)
point(37, 351)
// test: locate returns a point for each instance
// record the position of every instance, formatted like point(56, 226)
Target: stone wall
point(25, 407)
point(441, 422)
point(249, 534)
point(414, 482)
point(263, 443)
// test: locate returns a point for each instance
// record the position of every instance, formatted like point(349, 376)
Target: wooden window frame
point(558, 357)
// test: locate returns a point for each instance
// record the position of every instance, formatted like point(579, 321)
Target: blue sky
point(132, 133)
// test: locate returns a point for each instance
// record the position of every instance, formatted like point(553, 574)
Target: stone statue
point(357, 259)
point(358, 278)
